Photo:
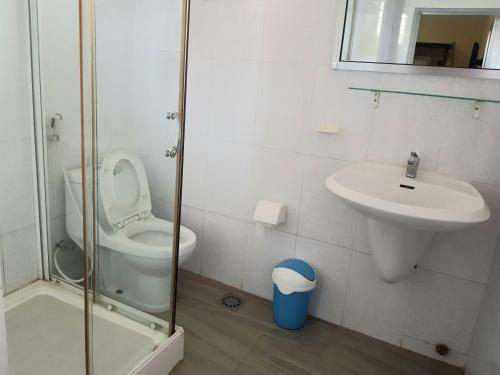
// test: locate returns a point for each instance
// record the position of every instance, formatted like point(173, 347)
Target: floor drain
point(231, 302)
point(119, 291)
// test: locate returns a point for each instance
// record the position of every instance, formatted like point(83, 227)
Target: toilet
point(135, 247)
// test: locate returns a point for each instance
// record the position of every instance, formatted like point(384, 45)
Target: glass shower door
point(106, 172)
point(138, 70)
point(47, 325)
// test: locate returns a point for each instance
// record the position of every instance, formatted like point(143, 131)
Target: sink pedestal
point(396, 249)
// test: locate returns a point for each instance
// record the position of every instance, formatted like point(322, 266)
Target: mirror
point(436, 33)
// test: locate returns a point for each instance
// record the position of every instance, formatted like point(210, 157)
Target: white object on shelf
point(330, 130)
point(270, 213)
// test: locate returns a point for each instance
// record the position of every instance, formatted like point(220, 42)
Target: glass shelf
point(477, 100)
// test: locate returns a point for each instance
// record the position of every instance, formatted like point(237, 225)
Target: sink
point(405, 213)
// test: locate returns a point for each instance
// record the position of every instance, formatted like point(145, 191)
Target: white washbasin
point(404, 213)
point(428, 202)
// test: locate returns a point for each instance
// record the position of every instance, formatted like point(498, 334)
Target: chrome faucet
point(412, 165)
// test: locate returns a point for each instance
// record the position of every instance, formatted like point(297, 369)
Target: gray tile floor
point(220, 341)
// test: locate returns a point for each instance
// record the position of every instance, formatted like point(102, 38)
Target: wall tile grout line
point(346, 288)
point(413, 277)
point(17, 230)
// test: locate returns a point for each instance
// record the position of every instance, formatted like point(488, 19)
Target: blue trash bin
point(294, 281)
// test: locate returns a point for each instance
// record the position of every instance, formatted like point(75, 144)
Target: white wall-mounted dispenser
point(270, 213)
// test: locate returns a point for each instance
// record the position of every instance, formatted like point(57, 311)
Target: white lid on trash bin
point(294, 275)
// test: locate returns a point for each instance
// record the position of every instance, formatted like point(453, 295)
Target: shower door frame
point(182, 96)
point(40, 158)
point(184, 60)
point(40, 161)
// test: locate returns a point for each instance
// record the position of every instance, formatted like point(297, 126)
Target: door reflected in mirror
point(423, 33)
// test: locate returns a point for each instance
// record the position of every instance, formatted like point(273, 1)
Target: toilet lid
point(124, 188)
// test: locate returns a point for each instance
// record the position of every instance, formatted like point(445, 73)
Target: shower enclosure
point(103, 152)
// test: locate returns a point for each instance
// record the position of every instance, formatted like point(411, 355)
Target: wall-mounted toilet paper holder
point(270, 213)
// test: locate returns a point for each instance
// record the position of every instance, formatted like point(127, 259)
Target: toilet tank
point(73, 198)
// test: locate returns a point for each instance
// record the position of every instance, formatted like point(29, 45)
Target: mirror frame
point(338, 64)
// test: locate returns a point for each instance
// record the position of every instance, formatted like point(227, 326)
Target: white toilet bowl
point(135, 247)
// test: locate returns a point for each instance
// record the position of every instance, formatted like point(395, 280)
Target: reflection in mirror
point(453, 40)
point(460, 34)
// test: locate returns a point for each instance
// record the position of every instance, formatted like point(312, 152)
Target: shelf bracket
point(376, 99)
point(477, 110)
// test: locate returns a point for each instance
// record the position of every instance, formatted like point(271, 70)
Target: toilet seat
point(125, 241)
point(126, 203)
point(124, 189)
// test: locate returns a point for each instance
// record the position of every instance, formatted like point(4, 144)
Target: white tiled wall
point(260, 85)
point(372, 306)
point(484, 354)
point(17, 214)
